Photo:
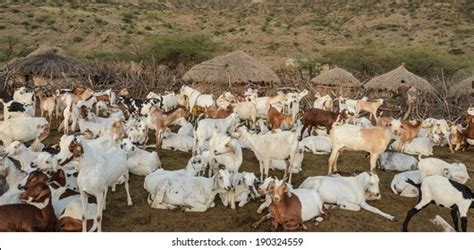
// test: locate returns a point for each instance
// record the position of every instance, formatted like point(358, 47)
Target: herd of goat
point(63, 187)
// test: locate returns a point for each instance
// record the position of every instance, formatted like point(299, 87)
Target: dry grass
point(291, 28)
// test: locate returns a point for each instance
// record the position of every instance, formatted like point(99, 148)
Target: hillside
point(271, 31)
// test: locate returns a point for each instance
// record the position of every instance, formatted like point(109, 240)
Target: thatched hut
point(336, 79)
point(233, 68)
point(463, 88)
point(396, 78)
point(47, 66)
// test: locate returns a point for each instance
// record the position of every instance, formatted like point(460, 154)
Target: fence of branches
point(140, 79)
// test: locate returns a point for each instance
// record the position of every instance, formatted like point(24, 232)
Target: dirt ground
point(141, 218)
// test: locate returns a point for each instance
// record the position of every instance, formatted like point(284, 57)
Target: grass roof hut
point(233, 68)
point(396, 78)
point(47, 65)
point(336, 79)
point(463, 88)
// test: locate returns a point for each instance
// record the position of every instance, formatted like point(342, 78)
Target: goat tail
point(418, 186)
point(411, 182)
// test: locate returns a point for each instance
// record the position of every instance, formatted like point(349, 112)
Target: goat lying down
point(290, 207)
point(400, 185)
point(348, 193)
point(394, 161)
point(197, 194)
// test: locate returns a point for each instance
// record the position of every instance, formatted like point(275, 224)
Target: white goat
point(348, 193)
point(434, 166)
point(247, 111)
point(195, 98)
point(226, 151)
point(24, 129)
point(175, 141)
point(139, 161)
point(446, 193)
point(194, 167)
point(278, 146)
point(318, 145)
point(394, 161)
point(323, 102)
point(297, 163)
point(400, 186)
point(243, 189)
point(197, 194)
point(21, 153)
point(418, 146)
point(206, 127)
point(373, 140)
point(97, 171)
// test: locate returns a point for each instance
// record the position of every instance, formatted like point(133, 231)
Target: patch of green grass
point(273, 46)
point(100, 21)
point(77, 39)
point(187, 48)
point(128, 18)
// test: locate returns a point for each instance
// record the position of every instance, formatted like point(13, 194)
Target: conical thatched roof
point(49, 62)
point(337, 77)
point(234, 67)
point(465, 87)
point(399, 76)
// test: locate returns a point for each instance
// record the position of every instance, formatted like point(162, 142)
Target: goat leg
point(259, 222)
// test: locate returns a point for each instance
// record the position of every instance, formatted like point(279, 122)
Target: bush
point(173, 49)
point(77, 39)
point(367, 62)
point(109, 56)
point(128, 18)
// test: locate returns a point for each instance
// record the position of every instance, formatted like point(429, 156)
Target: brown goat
point(408, 132)
point(161, 120)
point(285, 210)
point(276, 119)
point(68, 224)
point(370, 106)
point(34, 178)
point(47, 104)
point(469, 132)
point(315, 117)
point(384, 121)
point(213, 112)
point(456, 137)
point(26, 217)
point(106, 97)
